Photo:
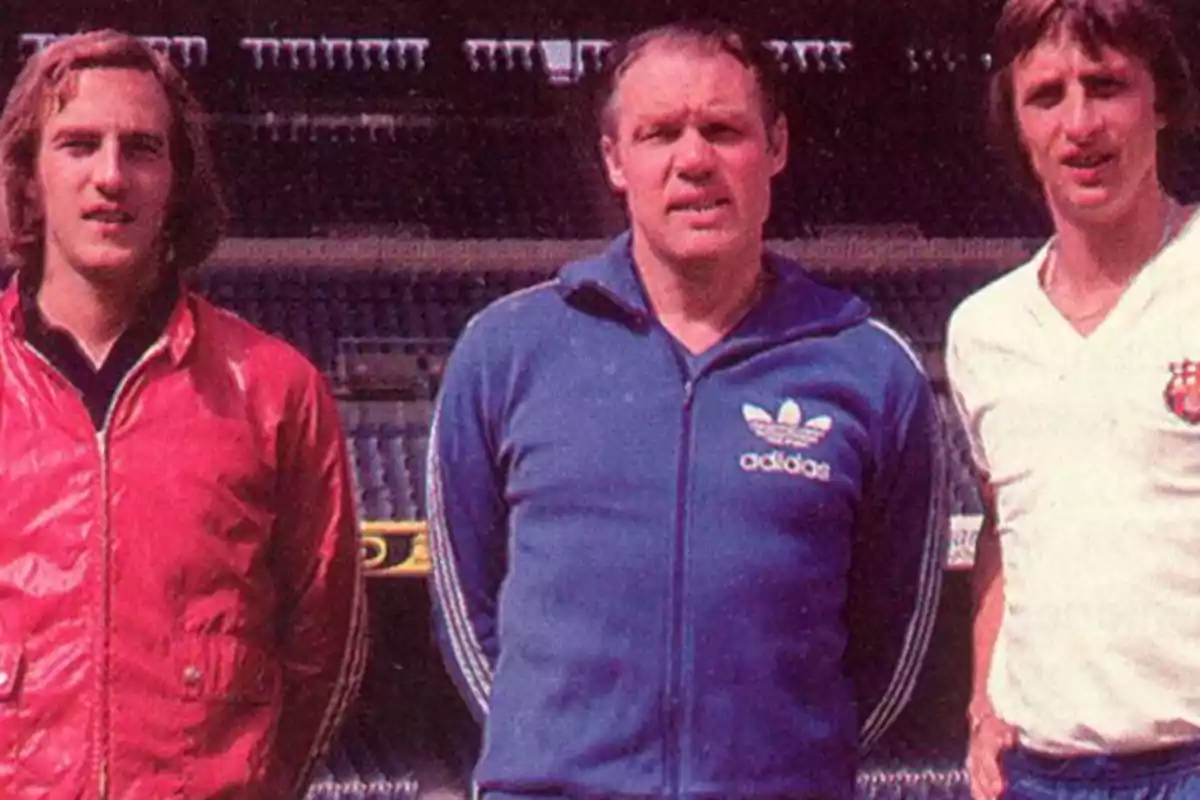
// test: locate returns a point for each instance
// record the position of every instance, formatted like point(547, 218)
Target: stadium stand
point(385, 188)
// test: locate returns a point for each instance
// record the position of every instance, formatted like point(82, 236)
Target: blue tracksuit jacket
point(671, 581)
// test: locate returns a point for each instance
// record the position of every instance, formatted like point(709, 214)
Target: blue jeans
point(1171, 774)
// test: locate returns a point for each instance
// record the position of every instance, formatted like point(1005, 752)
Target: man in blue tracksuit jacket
point(684, 499)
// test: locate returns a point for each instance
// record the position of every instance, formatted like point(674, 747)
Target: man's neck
point(94, 314)
point(1100, 256)
point(699, 304)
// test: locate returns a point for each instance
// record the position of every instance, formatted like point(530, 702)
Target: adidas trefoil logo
point(788, 428)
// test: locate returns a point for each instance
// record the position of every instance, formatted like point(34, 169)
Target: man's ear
point(777, 144)
point(612, 162)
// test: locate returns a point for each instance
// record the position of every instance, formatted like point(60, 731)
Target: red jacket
point(181, 608)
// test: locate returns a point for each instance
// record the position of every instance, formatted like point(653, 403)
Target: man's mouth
point(700, 205)
point(109, 216)
point(1087, 160)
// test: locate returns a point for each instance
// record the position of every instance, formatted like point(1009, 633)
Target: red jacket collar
point(179, 332)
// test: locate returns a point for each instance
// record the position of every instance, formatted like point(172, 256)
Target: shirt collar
point(150, 318)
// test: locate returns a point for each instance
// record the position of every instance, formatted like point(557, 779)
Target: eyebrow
point(1037, 85)
point(704, 114)
point(1099, 70)
point(83, 132)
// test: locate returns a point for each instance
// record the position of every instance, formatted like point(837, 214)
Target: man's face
point(104, 175)
point(1089, 127)
point(689, 149)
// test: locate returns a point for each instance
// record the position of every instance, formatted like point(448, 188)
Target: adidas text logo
point(789, 428)
point(791, 463)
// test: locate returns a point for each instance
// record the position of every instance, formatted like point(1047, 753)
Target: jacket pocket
point(222, 667)
point(230, 695)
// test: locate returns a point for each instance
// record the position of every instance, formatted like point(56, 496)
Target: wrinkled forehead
point(658, 66)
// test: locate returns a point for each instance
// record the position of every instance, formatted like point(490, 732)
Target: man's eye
point(1043, 98)
point(720, 132)
point(659, 134)
point(1106, 87)
point(78, 146)
point(144, 150)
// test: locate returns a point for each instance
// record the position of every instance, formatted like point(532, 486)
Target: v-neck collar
point(1128, 308)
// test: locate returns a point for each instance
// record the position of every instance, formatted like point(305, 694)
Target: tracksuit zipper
point(106, 549)
point(678, 569)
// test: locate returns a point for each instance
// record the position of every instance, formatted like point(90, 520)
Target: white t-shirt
point(1097, 483)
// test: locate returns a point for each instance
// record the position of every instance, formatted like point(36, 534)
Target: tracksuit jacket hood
point(796, 305)
point(658, 576)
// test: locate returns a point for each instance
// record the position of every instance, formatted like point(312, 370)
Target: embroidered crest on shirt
point(1183, 391)
point(788, 428)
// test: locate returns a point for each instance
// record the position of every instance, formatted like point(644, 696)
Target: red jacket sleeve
point(317, 562)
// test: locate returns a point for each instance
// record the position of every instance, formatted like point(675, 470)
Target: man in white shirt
point(1076, 379)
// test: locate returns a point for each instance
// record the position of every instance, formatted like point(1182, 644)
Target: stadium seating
point(409, 731)
point(921, 757)
point(387, 444)
point(465, 178)
point(316, 308)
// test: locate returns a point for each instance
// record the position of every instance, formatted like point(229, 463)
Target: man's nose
point(694, 156)
point(110, 169)
point(1083, 117)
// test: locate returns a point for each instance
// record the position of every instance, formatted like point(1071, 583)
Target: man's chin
point(709, 249)
point(111, 269)
point(700, 250)
point(1093, 203)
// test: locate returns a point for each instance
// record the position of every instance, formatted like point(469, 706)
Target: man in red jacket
point(180, 597)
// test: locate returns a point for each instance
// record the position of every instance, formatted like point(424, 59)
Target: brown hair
point(1141, 28)
point(197, 213)
point(712, 37)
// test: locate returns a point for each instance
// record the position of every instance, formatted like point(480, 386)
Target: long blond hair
point(197, 213)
